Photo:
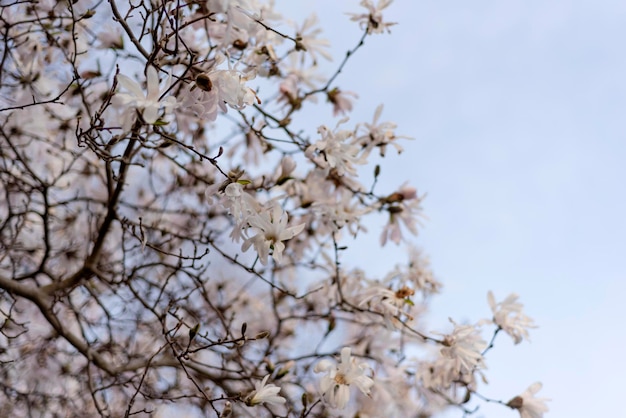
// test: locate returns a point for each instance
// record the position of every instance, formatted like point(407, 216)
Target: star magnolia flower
point(342, 104)
point(508, 316)
point(395, 306)
point(335, 385)
point(230, 88)
point(149, 104)
point(272, 231)
point(464, 346)
point(264, 393)
point(336, 151)
point(379, 134)
point(404, 206)
point(373, 20)
point(529, 406)
point(310, 42)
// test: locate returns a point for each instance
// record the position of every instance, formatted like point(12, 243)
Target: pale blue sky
point(518, 110)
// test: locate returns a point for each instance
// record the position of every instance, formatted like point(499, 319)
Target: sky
point(517, 111)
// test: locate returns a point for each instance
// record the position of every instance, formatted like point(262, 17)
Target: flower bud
point(516, 403)
point(204, 82)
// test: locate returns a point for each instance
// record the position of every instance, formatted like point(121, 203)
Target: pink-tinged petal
point(535, 387)
point(345, 355)
point(151, 114)
point(492, 300)
point(130, 85)
point(153, 84)
point(342, 396)
point(246, 244)
point(291, 232)
point(323, 365)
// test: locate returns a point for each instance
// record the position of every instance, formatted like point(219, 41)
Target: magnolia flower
point(373, 20)
point(240, 203)
point(393, 305)
point(526, 403)
point(111, 37)
point(285, 170)
point(440, 374)
point(508, 316)
point(241, 16)
point(272, 230)
point(264, 393)
point(228, 86)
point(337, 212)
point(417, 272)
point(464, 347)
point(403, 207)
point(310, 42)
point(335, 385)
point(379, 134)
point(342, 104)
point(335, 151)
point(148, 104)
point(201, 103)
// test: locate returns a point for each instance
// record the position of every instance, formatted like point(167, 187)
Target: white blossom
point(404, 207)
point(149, 104)
point(271, 230)
point(527, 405)
point(379, 134)
point(230, 87)
point(373, 19)
point(341, 101)
point(394, 305)
point(335, 150)
point(464, 348)
point(309, 41)
point(508, 316)
point(111, 37)
point(335, 384)
point(265, 393)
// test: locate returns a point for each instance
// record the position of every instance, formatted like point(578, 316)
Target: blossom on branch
point(464, 348)
point(148, 104)
point(527, 405)
point(394, 305)
point(508, 316)
point(265, 393)
point(271, 230)
point(404, 207)
point(379, 134)
point(335, 150)
point(124, 251)
point(335, 384)
point(308, 41)
point(373, 20)
point(342, 104)
point(230, 88)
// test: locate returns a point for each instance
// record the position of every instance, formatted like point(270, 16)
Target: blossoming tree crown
point(172, 235)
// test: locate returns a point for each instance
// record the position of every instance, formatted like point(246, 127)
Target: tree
point(171, 239)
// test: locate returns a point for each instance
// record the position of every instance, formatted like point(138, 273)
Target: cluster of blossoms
point(171, 236)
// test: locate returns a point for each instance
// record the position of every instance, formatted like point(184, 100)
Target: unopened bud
point(395, 197)
point(239, 44)
point(262, 335)
point(282, 372)
point(516, 403)
point(193, 331)
point(204, 82)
